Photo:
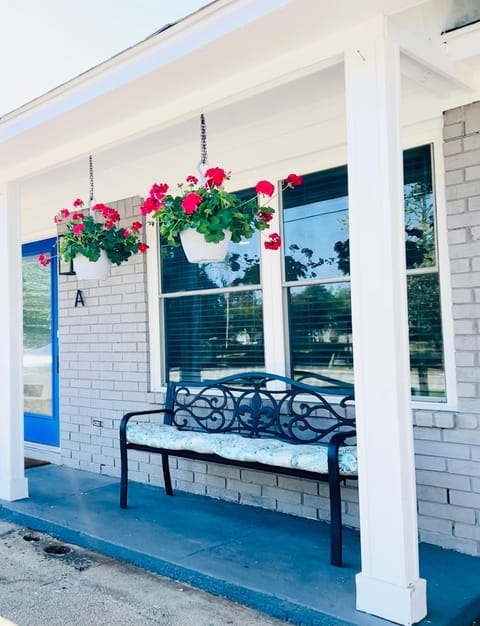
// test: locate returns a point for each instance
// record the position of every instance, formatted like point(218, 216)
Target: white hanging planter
point(92, 270)
point(197, 250)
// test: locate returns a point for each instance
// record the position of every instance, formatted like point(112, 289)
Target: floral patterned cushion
point(311, 458)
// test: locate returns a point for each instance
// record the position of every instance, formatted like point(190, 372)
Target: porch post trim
point(388, 585)
point(13, 483)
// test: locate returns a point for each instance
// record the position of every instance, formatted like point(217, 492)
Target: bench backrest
point(257, 405)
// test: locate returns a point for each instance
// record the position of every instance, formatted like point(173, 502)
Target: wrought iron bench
point(253, 420)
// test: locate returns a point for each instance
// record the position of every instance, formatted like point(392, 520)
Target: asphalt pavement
point(45, 582)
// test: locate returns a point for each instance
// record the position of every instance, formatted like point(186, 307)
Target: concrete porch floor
point(273, 562)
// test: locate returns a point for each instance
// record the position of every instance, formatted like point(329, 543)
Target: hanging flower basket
point(197, 250)
point(92, 270)
point(207, 211)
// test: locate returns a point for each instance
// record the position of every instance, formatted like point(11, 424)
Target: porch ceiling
point(224, 53)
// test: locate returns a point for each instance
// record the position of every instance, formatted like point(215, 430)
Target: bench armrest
point(125, 419)
point(334, 444)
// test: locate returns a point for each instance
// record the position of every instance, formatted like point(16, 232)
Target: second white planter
point(92, 270)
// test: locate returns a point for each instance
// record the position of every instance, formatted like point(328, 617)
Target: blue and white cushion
point(308, 457)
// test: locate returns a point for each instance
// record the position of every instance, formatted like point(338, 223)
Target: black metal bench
point(253, 420)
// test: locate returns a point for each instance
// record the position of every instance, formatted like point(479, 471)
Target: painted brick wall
point(104, 363)
point(448, 445)
point(103, 352)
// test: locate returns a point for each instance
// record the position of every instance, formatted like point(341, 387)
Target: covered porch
point(286, 85)
point(270, 561)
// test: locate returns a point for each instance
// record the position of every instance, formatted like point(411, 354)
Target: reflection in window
point(312, 229)
point(321, 330)
point(37, 339)
point(317, 250)
point(241, 267)
point(425, 329)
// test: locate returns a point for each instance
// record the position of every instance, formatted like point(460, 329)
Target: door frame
point(41, 430)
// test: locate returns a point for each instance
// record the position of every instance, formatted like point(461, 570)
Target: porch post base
point(14, 489)
point(403, 605)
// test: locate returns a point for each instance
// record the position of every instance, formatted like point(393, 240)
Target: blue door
point(40, 350)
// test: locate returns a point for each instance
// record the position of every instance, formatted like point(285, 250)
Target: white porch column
point(388, 585)
point(13, 484)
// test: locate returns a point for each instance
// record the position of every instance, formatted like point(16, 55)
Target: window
point(317, 283)
point(212, 314)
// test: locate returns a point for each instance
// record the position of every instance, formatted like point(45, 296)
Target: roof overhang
point(222, 54)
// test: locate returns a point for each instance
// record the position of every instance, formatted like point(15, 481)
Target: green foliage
point(96, 238)
point(208, 208)
point(99, 230)
point(218, 211)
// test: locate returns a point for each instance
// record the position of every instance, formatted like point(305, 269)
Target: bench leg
point(335, 524)
point(123, 476)
point(166, 475)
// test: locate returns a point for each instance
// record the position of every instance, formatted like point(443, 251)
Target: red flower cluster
point(265, 188)
point(264, 216)
point(293, 180)
point(215, 176)
point(110, 215)
point(190, 202)
point(44, 259)
point(273, 242)
point(86, 233)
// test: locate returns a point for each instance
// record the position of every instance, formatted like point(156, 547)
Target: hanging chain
point(203, 140)
point(90, 167)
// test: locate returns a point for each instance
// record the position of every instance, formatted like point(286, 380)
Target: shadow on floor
point(29, 463)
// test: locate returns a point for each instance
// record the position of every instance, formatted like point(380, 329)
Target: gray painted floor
point(273, 562)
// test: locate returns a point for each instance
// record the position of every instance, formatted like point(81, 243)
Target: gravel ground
point(44, 582)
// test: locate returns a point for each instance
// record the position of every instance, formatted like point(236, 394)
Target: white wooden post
point(388, 585)
point(13, 483)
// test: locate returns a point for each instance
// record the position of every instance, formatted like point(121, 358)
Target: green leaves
point(119, 243)
point(218, 211)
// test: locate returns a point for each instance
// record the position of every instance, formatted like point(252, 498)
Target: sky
point(44, 43)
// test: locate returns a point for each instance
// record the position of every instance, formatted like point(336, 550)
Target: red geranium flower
point(149, 205)
point(77, 203)
point(293, 180)
point(142, 247)
point(136, 226)
point(193, 180)
point(264, 216)
point(158, 191)
point(44, 259)
point(273, 242)
point(78, 229)
point(265, 187)
point(215, 176)
point(190, 203)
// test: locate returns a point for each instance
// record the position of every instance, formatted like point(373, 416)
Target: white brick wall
point(447, 445)
point(104, 364)
point(103, 355)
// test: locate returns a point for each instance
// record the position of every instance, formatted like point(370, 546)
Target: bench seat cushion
point(308, 457)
